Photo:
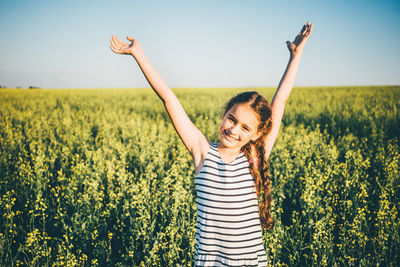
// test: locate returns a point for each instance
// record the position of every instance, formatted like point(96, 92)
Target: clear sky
point(217, 43)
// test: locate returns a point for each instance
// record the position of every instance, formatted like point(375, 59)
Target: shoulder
point(213, 145)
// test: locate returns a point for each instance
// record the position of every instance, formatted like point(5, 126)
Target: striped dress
point(228, 222)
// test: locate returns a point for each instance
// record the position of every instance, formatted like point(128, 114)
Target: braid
point(259, 170)
point(255, 152)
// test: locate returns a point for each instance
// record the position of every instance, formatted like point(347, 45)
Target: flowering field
point(99, 177)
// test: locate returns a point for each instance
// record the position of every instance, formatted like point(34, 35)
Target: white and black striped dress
point(228, 223)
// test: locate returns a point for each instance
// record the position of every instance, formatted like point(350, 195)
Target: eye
point(246, 128)
point(231, 119)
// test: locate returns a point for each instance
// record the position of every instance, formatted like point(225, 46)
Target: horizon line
point(188, 87)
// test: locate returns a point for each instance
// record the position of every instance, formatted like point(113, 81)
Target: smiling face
point(239, 126)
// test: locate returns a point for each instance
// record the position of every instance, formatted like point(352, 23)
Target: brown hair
point(258, 165)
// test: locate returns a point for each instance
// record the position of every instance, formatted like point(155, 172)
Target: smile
point(229, 136)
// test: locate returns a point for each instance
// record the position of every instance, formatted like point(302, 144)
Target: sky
point(217, 43)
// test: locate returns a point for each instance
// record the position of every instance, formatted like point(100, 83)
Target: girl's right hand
point(119, 47)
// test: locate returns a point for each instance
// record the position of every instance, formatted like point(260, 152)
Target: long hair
point(255, 152)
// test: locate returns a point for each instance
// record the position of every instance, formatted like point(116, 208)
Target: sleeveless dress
point(228, 223)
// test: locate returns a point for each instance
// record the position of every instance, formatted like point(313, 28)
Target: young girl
point(232, 182)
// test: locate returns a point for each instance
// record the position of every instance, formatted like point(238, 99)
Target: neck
point(228, 152)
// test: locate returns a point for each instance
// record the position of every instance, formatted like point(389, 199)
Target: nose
point(234, 129)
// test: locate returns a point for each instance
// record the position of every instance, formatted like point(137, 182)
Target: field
point(99, 177)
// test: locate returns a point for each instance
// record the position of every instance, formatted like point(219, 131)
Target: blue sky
point(218, 43)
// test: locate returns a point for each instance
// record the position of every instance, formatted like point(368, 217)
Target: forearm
point(288, 78)
point(152, 76)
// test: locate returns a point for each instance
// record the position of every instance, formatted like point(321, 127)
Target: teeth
point(228, 135)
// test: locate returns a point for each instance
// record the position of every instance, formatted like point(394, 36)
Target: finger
point(130, 39)
point(311, 27)
point(112, 49)
point(118, 41)
point(114, 38)
point(309, 30)
point(302, 30)
point(114, 44)
point(305, 28)
point(308, 27)
point(305, 32)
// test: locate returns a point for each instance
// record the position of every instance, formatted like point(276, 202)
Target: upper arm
point(277, 107)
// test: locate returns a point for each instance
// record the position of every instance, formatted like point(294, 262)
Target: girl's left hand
point(300, 41)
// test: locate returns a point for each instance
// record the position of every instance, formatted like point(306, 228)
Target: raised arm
point(286, 84)
point(194, 140)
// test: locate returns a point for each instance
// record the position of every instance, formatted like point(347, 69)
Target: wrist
point(295, 55)
point(136, 50)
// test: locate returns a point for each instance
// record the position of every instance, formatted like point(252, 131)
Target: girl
point(232, 182)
